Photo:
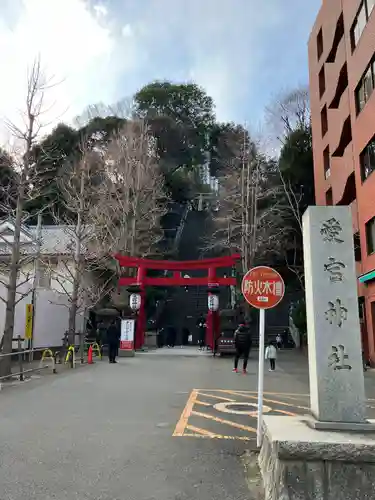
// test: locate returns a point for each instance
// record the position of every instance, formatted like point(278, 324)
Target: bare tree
point(289, 111)
point(250, 219)
point(80, 258)
point(289, 126)
point(250, 207)
point(113, 198)
point(123, 109)
point(133, 198)
point(24, 138)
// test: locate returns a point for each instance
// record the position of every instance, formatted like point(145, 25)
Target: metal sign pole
point(260, 375)
point(262, 288)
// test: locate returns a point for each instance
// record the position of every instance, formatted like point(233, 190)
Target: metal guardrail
point(21, 361)
point(67, 355)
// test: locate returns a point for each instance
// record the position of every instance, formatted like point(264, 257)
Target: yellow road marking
point(181, 424)
point(273, 401)
point(184, 428)
point(223, 421)
point(291, 398)
point(229, 391)
point(202, 403)
point(216, 397)
point(203, 432)
point(287, 394)
point(286, 413)
point(218, 436)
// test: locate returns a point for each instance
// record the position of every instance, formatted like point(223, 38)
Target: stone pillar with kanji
point(331, 452)
point(334, 340)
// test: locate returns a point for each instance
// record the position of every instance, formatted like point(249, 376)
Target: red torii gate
point(142, 280)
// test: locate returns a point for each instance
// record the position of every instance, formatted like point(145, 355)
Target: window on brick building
point(358, 25)
point(357, 247)
point(368, 82)
point(319, 43)
point(361, 309)
point(367, 160)
point(324, 120)
point(322, 82)
point(370, 6)
point(339, 35)
point(360, 98)
point(329, 197)
point(365, 87)
point(370, 235)
point(326, 163)
point(345, 138)
point(342, 85)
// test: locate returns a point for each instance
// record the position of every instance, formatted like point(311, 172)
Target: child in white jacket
point(271, 354)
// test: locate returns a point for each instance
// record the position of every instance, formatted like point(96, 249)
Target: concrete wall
point(51, 311)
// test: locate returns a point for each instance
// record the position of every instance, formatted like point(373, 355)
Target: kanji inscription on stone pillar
point(334, 340)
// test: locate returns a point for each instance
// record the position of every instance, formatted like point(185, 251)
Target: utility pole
point(243, 220)
point(255, 210)
point(248, 214)
point(35, 281)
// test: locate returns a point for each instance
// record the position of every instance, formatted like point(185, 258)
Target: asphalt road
point(109, 432)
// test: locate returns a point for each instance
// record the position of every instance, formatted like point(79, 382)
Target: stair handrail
point(181, 226)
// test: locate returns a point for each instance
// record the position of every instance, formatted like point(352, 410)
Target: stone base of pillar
point(298, 461)
point(126, 353)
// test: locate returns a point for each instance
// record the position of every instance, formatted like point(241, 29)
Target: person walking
point(171, 336)
point(185, 336)
point(271, 354)
point(242, 342)
point(113, 338)
point(279, 341)
point(201, 324)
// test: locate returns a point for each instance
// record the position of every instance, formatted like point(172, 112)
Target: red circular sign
point(263, 287)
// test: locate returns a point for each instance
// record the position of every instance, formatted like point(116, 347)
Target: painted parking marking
point(226, 408)
point(203, 414)
point(182, 423)
point(224, 421)
point(216, 397)
point(267, 400)
point(203, 403)
point(218, 436)
point(202, 432)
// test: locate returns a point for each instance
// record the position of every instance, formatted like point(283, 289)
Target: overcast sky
point(242, 52)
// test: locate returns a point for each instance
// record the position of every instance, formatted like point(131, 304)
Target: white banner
point(127, 334)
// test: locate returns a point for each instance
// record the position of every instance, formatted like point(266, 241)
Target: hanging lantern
point(186, 276)
point(213, 302)
point(135, 301)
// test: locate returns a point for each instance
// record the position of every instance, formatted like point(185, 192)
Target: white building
point(54, 284)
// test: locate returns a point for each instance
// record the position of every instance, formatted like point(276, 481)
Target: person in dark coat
point(242, 342)
point(185, 335)
point(171, 336)
point(201, 324)
point(113, 338)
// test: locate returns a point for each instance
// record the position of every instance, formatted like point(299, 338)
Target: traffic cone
point(89, 356)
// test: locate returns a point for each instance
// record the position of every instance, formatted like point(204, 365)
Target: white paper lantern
point(213, 302)
point(135, 301)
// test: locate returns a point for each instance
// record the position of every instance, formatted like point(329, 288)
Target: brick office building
point(342, 80)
